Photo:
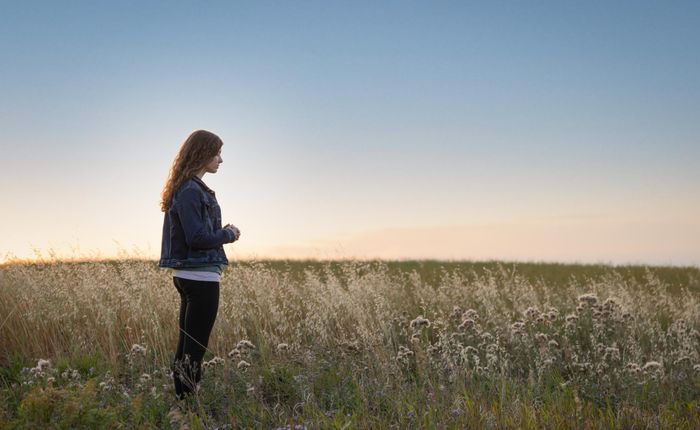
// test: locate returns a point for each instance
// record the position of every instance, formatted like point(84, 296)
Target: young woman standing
point(192, 246)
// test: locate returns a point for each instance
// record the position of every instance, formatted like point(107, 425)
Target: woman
point(192, 245)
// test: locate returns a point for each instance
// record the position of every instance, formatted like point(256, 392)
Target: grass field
point(355, 344)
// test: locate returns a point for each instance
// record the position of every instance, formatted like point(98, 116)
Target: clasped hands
point(236, 232)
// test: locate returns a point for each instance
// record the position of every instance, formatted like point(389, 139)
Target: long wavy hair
point(196, 151)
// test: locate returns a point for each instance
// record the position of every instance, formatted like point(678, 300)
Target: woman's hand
point(236, 232)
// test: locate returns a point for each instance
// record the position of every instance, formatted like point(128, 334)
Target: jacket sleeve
point(189, 209)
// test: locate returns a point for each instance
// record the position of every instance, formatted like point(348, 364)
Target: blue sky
point(471, 128)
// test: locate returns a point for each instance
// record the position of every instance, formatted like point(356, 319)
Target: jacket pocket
point(209, 215)
point(213, 211)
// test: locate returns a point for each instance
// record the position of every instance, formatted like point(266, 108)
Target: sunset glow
point(538, 132)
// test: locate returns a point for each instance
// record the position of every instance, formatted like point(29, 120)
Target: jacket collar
point(203, 185)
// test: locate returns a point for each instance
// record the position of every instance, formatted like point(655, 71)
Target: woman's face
point(213, 165)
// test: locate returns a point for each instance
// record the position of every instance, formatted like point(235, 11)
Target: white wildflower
point(420, 322)
point(471, 313)
point(651, 366)
point(633, 368)
point(610, 304)
point(403, 353)
point(245, 344)
point(467, 324)
point(571, 319)
point(600, 348)
point(532, 312)
point(217, 361)
point(682, 360)
point(611, 353)
point(138, 349)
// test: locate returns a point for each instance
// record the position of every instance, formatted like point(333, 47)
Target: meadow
point(355, 344)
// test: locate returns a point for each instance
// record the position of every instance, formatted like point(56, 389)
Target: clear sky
point(556, 131)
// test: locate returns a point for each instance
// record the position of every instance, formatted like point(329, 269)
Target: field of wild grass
point(355, 345)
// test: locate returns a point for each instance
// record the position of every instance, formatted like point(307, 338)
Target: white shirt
point(197, 275)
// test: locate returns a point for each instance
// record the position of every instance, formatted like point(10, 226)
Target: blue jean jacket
point(192, 233)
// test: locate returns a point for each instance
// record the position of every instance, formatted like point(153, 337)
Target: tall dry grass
point(617, 340)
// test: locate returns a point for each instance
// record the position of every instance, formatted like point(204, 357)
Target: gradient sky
point(557, 131)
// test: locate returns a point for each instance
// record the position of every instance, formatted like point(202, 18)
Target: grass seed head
point(471, 350)
point(588, 298)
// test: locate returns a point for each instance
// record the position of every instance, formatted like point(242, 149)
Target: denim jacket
point(192, 233)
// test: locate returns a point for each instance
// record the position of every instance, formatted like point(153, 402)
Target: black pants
point(199, 303)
